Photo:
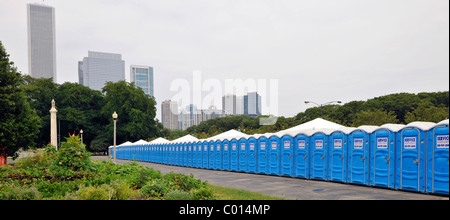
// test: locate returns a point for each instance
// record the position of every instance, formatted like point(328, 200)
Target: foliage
point(69, 174)
point(19, 123)
point(72, 155)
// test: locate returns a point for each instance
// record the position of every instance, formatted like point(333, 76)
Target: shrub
point(156, 188)
point(202, 193)
point(72, 155)
point(12, 192)
point(103, 192)
point(122, 191)
point(177, 195)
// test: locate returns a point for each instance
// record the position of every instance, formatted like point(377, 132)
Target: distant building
point(41, 41)
point(142, 76)
point(169, 114)
point(99, 68)
point(252, 104)
point(229, 104)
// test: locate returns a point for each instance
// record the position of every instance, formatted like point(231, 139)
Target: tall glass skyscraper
point(142, 76)
point(41, 41)
point(98, 68)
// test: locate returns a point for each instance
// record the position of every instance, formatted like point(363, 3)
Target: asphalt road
point(289, 188)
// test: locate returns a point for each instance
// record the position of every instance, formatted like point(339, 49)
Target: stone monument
point(53, 126)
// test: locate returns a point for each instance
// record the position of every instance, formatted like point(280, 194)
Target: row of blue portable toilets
point(413, 157)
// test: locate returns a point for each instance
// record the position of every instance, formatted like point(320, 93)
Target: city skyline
point(319, 51)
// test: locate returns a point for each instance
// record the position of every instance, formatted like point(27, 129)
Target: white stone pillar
point(53, 126)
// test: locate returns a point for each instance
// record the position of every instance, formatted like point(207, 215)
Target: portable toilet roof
point(140, 142)
point(316, 124)
point(444, 122)
point(345, 130)
point(368, 128)
point(393, 127)
point(159, 141)
point(424, 126)
point(188, 138)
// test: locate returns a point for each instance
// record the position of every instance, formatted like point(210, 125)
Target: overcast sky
point(319, 50)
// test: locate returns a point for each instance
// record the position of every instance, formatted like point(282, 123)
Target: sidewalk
point(288, 188)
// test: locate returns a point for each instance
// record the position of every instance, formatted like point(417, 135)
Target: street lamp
point(322, 105)
point(114, 115)
point(81, 134)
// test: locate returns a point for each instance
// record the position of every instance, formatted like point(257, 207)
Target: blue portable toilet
point(274, 155)
point(302, 153)
point(359, 155)
point(287, 154)
point(263, 154)
point(218, 155)
point(211, 154)
point(205, 154)
point(437, 159)
point(411, 156)
point(234, 153)
point(337, 154)
point(251, 154)
point(226, 154)
point(242, 151)
point(196, 154)
point(319, 154)
point(382, 155)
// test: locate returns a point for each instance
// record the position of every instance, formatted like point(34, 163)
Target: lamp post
point(114, 115)
point(322, 105)
point(81, 134)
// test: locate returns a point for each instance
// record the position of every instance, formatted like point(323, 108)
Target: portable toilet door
point(263, 149)
point(287, 159)
point(226, 154)
point(211, 155)
point(205, 154)
point(251, 155)
point(319, 143)
point(301, 156)
point(218, 155)
point(274, 154)
point(359, 155)
point(382, 155)
point(337, 161)
point(411, 148)
point(189, 154)
point(197, 155)
point(242, 158)
point(438, 159)
point(234, 155)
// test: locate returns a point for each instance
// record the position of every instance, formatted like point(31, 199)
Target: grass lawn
point(224, 193)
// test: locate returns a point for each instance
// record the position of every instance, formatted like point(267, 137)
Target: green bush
point(202, 194)
point(103, 192)
point(177, 195)
point(12, 192)
point(72, 155)
point(156, 188)
point(122, 191)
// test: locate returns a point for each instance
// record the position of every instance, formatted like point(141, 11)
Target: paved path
point(289, 188)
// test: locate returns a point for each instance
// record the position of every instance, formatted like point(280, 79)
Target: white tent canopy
point(188, 138)
point(316, 124)
point(140, 142)
point(228, 135)
point(159, 141)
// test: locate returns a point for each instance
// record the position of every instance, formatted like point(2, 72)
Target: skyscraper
point(252, 104)
point(99, 68)
point(229, 104)
point(41, 41)
point(169, 114)
point(142, 76)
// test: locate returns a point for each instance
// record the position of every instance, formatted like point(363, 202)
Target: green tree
point(19, 123)
point(427, 112)
point(376, 117)
point(136, 112)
